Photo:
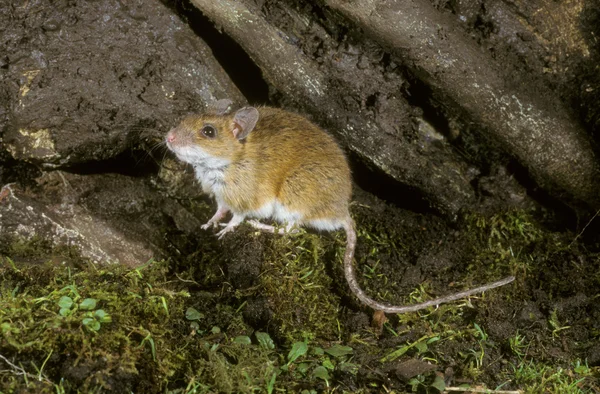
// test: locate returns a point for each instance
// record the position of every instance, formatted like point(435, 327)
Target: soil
point(406, 250)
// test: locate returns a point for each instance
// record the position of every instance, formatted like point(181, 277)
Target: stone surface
point(110, 218)
point(84, 81)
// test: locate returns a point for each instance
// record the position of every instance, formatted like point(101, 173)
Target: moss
point(36, 250)
point(33, 327)
point(502, 243)
point(298, 287)
point(146, 346)
point(151, 346)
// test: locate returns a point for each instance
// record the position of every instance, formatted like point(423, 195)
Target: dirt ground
point(257, 312)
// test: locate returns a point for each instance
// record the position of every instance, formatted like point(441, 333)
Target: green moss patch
point(189, 325)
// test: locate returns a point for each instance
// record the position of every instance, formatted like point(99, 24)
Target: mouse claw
point(225, 230)
point(233, 223)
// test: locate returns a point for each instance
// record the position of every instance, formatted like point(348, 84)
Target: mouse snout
point(170, 136)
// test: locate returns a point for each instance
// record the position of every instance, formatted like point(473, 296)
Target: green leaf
point(64, 311)
point(414, 383)
point(271, 384)
point(396, 353)
point(265, 340)
point(421, 347)
point(242, 340)
point(438, 383)
point(298, 349)
point(339, 350)
point(102, 316)
point(193, 314)
point(321, 373)
point(328, 364)
point(482, 335)
point(91, 323)
point(582, 369)
point(348, 367)
point(215, 330)
point(399, 352)
point(65, 302)
point(88, 304)
point(302, 368)
point(317, 351)
point(152, 348)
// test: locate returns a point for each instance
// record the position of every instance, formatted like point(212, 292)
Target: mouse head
point(212, 137)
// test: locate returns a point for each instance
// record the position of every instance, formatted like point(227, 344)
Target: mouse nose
point(170, 136)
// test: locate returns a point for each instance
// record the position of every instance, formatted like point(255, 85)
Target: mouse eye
point(209, 131)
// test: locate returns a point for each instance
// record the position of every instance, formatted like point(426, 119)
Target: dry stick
point(586, 226)
point(487, 391)
point(20, 371)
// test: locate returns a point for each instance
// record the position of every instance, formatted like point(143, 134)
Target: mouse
point(266, 163)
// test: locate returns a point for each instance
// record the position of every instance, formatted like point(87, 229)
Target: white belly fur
point(278, 212)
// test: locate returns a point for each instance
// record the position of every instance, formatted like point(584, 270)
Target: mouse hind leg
point(278, 212)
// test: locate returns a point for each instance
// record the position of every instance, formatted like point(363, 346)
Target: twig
point(584, 228)
point(20, 371)
point(477, 390)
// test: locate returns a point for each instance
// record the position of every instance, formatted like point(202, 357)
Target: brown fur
point(286, 157)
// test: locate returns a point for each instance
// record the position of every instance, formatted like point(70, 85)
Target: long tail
point(351, 279)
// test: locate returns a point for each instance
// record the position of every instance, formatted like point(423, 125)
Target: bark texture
point(529, 122)
point(509, 108)
point(337, 93)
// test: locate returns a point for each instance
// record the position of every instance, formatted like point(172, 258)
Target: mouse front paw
point(214, 221)
point(208, 225)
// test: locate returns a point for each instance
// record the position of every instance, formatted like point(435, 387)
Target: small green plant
point(555, 324)
point(541, 378)
point(422, 383)
point(92, 319)
point(195, 317)
point(518, 344)
point(421, 346)
point(482, 338)
point(317, 363)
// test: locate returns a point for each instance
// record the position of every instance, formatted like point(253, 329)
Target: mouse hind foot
point(288, 229)
point(229, 227)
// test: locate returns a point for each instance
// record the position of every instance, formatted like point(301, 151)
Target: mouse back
point(304, 165)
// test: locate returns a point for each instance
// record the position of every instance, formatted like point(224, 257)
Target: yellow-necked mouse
point(267, 163)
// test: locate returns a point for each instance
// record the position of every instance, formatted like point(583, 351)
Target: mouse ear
point(219, 107)
point(244, 121)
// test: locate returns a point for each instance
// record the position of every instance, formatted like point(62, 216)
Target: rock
point(412, 368)
point(84, 81)
point(23, 218)
point(110, 218)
